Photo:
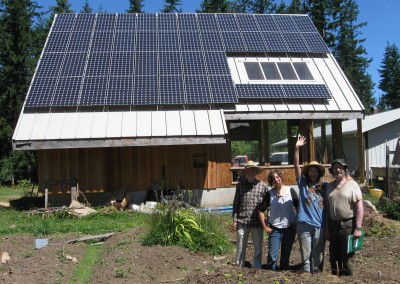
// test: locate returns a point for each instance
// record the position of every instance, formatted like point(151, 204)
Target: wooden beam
point(360, 150)
point(337, 141)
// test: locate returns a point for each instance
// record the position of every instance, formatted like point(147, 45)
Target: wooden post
point(360, 150)
point(324, 148)
point(46, 197)
point(337, 141)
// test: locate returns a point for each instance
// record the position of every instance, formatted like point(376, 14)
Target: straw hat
point(251, 165)
point(338, 161)
point(321, 169)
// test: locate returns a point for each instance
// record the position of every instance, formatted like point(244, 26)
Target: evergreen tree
point(295, 7)
point(390, 78)
point(240, 6)
point(317, 10)
point(348, 49)
point(86, 8)
point(262, 7)
point(214, 6)
point(135, 6)
point(18, 51)
point(171, 6)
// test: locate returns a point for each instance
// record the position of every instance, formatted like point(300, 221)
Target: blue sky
point(382, 18)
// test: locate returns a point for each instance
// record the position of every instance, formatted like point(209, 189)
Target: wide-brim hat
point(338, 161)
point(320, 167)
point(251, 165)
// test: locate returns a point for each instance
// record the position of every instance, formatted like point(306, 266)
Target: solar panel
point(105, 22)
point(41, 92)
point(193, 63)
point(197, 90)
point(79, 42)
point(126, 22)
point(247, 23)
point(190, 41)
point(50, 65)
point(168, 41)
point(93, 91)
point(57, 42)
point(98, 64)
point(122, 64)
point(167, 22)
point(222, 89)
point(216, 63)
point(259, 91)
point(67, 91)
point(171, 90)
point(74, 64)
point(304, 24)
point(170, 63)
point(285, 23)
point(120, 90)
point(315, 42)
point(253, 42)
point(63, 22)
point(212, 41)
point(102, 41)
point(124, 41)
point(295, 42)
point(274, 42)
point(227, 22)
point(266, 24)
point(146, 22)
point(303, 91)
point(233, 42)
point(146, 63)
point(84, 22)
point(146, 41)
point(145, 90)
point(207, 22)
point(163, 58)
point(187, 22)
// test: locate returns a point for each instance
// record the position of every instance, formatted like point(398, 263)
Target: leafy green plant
point(171, 224)
point(391, 208)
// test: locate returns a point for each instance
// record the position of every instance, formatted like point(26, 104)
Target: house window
point(253, 71)
point(278, 71)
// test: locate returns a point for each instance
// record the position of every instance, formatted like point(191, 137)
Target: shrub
point(174, 225)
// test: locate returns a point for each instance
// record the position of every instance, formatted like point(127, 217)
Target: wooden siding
point(135, 168)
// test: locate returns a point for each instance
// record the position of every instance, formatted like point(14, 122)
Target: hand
point(235, 226)
point(301, 140)
point(268, 230)
point(356, 234)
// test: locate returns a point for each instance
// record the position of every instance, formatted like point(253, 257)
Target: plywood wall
point(135, 168)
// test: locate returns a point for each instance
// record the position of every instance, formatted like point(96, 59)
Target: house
point(136, 102)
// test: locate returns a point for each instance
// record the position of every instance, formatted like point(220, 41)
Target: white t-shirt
point(282, 214)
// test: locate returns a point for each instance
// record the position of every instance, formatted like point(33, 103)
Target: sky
point(383, 23)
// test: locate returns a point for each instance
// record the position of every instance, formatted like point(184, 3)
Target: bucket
point(375, 192)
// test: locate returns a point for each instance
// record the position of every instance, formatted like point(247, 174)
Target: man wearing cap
point(310, 213)
point(249, 194)
point(344, 217)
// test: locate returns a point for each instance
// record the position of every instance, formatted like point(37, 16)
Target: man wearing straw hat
point(249, 194)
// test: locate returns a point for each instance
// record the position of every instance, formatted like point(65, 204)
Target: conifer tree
point(390, 78)
point(214, 6)
point(135, 6)
point(171, 6)
point(17, 61)
point(86, 8)
point(262, 7)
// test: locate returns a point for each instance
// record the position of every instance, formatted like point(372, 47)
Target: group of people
point(319, 211)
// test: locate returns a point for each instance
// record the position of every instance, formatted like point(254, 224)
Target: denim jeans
point(282, 238)
point(242, 236)
point(312, 246)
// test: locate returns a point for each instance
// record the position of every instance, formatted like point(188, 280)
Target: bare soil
point(125, 260)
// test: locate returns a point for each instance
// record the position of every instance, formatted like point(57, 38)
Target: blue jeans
point(282, 238)
point(242, 236)
point(312, 246)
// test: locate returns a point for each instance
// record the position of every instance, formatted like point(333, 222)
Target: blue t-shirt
point(311, 204)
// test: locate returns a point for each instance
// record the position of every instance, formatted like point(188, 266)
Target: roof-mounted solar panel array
point(150, 59)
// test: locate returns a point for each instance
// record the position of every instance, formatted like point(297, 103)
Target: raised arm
point(301, 140)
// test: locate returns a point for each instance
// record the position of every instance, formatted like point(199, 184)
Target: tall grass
point(172, 225)
point(19, 222)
